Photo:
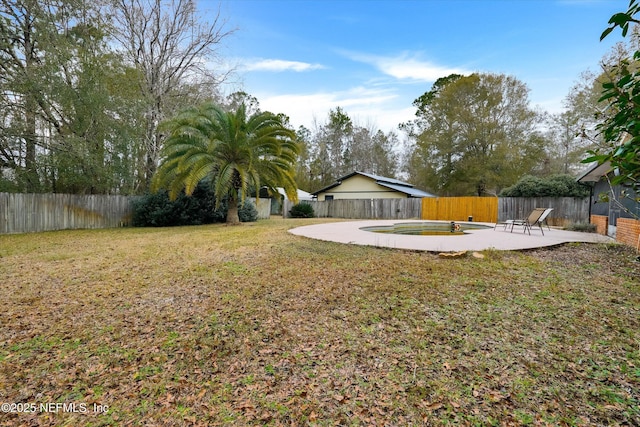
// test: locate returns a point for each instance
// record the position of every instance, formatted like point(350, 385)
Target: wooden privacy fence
point(566, 210)
point(479, 209)
point(25, 213)
point(263, 205)
point(21, 213)
point(363, 208)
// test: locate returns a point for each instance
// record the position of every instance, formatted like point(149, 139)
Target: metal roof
point(302, 195)
point(379, 179)
point(595, 172)
point(413, 192)
point(391, 183)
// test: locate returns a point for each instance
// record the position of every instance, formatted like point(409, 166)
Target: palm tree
point(235, 152)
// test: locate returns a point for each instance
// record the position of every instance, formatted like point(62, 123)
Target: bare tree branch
point(170, 46)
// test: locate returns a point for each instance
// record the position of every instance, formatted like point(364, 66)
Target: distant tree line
point(86, 87)
point(472, 135)
point(340, 146)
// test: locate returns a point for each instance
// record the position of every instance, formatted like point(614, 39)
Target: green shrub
point(582, 226)
point(152, 210)
point(302, 210)
point(156, 210)
point(553, 186)
point(7, 185)
point(248, 212)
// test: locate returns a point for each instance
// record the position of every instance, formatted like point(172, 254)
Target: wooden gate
point(479, 209)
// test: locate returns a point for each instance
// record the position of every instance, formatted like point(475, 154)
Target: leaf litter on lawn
point(216, 325)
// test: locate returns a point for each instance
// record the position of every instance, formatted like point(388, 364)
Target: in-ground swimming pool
point(427, 228)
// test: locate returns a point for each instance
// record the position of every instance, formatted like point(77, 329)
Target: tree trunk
point(32, 180)
point(30, 114)
point(232, 214)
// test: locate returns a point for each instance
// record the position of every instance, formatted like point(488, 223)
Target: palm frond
point(234, 151)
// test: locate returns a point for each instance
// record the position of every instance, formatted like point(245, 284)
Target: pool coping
point(498, 238)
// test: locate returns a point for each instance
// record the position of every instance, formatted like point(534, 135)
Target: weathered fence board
point(263, 205)
point(24, 213)
point(566, 210)
point(20, 213)
point(363, 208)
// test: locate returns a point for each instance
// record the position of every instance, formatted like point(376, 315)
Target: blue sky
point(373, 58)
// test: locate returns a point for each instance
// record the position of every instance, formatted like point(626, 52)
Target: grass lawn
point(249, 325)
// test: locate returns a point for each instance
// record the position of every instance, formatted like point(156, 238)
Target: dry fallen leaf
point(434, 406)
point(198, 314)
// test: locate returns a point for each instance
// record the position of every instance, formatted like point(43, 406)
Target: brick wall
point(627, 231)
point(601, 222)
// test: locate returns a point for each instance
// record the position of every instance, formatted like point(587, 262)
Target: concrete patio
point(473, 240)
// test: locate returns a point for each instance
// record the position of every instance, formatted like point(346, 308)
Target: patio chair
point(543, 219)
point(529, 221)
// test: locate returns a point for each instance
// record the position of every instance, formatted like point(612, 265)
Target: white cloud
point(277, 65)
point(406, 66)
point(364, 106)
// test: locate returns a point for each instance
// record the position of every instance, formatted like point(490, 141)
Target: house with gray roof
point(620, 205)
point(361, 185)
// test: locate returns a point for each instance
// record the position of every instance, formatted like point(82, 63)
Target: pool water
point(426, 228)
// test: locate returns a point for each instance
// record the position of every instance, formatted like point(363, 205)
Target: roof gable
point(391, 183)
point(595, 172)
